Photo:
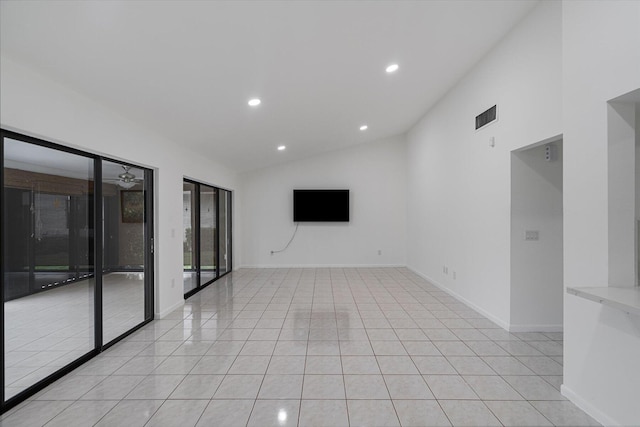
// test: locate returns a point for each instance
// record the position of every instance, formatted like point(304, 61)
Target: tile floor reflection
point(48, 330)
point(315, 347)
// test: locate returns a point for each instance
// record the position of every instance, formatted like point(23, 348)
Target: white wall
point(375, 175)
point(536, 266)
point(601, 61)
point(459, 186)
point(33, 104)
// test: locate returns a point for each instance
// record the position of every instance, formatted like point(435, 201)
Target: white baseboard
point(480, 310)
point(324, 266)
point(164, 313)
point(587, 407)
point(536, 328)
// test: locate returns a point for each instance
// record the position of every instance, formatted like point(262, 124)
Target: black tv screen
point(321, 205)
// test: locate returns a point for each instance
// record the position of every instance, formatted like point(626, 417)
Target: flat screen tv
point(321, 205)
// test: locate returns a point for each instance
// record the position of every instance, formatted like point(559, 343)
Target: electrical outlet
point(454, 275)
point(379, 251)
point(531, 235)
point(173, 283)
point(446, 270)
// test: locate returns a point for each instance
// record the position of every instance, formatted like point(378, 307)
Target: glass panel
point(225, 230)
point(189, 244)
point(637, 195)
point(123, 197)
point(52, 217)
point(229, 232)
point(207, 234)
point(48, 261)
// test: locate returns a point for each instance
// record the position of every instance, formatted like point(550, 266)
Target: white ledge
point(625, 299)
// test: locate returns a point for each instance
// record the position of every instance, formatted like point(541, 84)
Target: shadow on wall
point(537, 238)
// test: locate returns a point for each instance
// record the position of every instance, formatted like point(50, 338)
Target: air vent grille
point(486, 117)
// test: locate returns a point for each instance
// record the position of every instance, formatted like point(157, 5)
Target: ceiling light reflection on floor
point(282, 416)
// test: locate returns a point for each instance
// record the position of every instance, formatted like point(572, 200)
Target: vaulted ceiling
point(186, 69)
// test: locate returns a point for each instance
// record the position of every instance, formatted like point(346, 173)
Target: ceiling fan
point(126, 179)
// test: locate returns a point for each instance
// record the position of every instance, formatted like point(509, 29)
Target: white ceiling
point(186, 69)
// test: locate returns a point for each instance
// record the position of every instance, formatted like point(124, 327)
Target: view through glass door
point(124, 265)
point(47, 246)
point(208, 228)
point(224, 246)
point(189, 235)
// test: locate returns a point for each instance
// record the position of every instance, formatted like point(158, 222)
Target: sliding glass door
point(208, 258)
point(47, 244)
point(224, 235)
point(206, 235)
point(77, 268)
point(124, 257)
point(189, 236)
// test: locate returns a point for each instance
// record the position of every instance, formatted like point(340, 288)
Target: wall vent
point(486, 117)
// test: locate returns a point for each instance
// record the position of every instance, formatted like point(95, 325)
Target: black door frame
point(149, 256)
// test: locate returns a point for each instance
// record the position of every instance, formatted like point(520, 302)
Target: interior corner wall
point(375, 174)
point(536, 265)
point(601, 61)
point(34, 104)
point(459, 186)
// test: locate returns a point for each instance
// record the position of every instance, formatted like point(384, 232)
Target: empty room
point(320, 213)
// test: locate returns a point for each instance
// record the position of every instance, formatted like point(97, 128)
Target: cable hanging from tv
point(290, 240)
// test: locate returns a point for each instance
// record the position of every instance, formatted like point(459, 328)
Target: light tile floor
point(315, 347)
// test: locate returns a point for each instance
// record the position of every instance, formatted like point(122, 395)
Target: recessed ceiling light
point(392, 68)
point(282, 147)
point(364, 127)
point(254, 102)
